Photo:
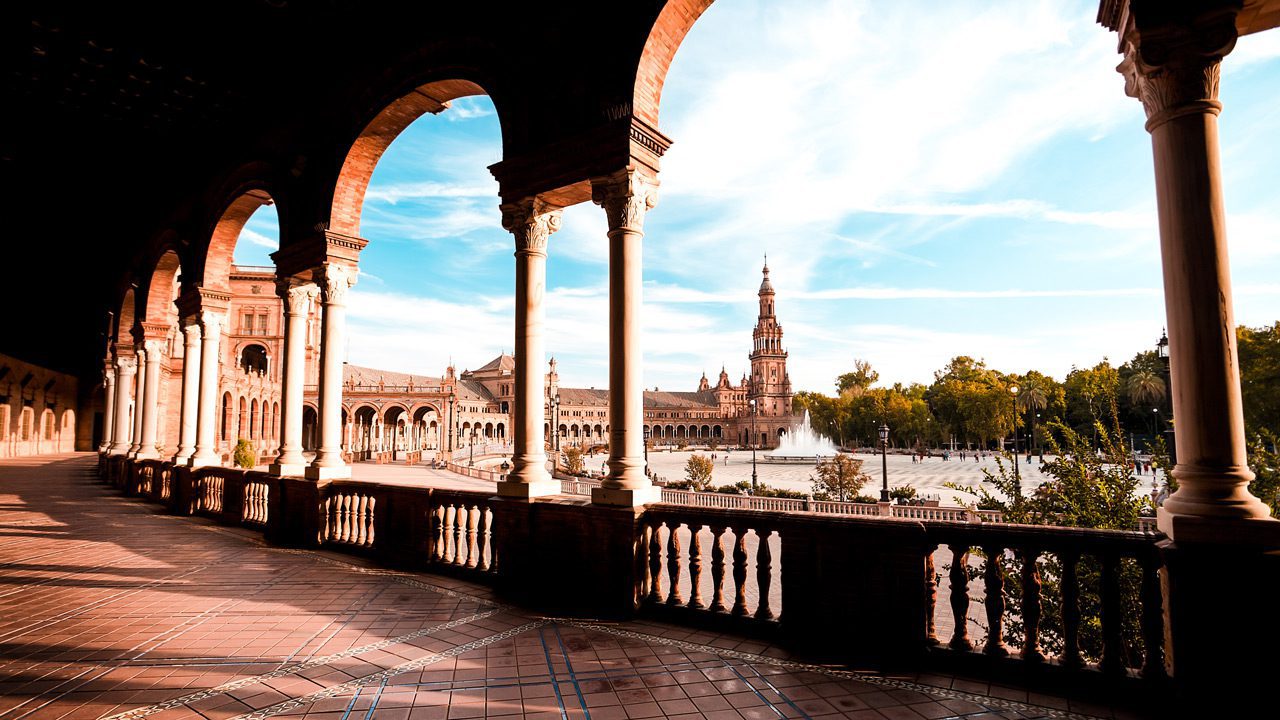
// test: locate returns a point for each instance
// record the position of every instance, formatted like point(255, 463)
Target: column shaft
point(297, 301)
point(109, 405)
point(125, 369)
point(139, 398)
point(207, 414)
point(626, 197)
point(334, 281)
point(151, 402)
point(190, 391)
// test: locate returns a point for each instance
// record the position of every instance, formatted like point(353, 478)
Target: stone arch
point(252, 357)
point(669, 30)
point(26, 425)
point(225, 417)
point(126, 317)
point(310, 419)
point(216, 265)
point(253, 419)
point(242, 418)
point(374, 139)
point(391, 412)
point(48, 428)
point(161, 288)
point(488, 430)
point(501, 431)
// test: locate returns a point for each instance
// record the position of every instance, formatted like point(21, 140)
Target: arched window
point(4, 423)
point(28, 420)
point(226, 416)
point(46, 424)
point(253, 359)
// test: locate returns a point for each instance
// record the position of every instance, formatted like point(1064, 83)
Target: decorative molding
point(1174, 69)
point(625, 196)
point(191, 331)
point(532, 221)
point(649, 138)
point(334, 280)
point(155, 349)
point(154, 331)
point(212, 322)
point(297, 295)
point(127, 364)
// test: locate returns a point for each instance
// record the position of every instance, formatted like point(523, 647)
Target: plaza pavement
point(111, 609)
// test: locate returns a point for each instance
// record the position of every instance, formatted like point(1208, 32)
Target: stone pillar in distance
point(334, 281)
point(207, 415)
point(297, 300)
point(151, 402)
point(126, 367)
point(109, 405)
point(190, 390)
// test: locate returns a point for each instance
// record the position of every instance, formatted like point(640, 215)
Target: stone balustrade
point(1049, 607)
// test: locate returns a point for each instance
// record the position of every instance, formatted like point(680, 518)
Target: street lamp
point(472, 446)
point(1162, 352)
point(452, 419)
point(884, 462)
point(1017, 474)
point(755, 482)
point(647, 432)
point(1039, 446)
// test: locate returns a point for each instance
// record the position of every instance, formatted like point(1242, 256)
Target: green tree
point(697, 470)
point(1264, 460)
point(859, 380)
point(244, 456)
point(1145, 388)
point(1090, 395)
point(839, 478)
point(573, 463)
point(1259, 353)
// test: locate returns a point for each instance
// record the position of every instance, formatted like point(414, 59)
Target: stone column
point(297, 301)
point(1174, 71)
point(126, 367)
point(334, 281)
point(139, 397)
point(190, 390)
point(109, 405)
point(151, 401)
point(625, 197)
point(207, 415)
point(531, 221)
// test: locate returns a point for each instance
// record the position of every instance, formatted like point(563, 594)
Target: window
point(28, 418)
point(262, 324)
point(246, 323)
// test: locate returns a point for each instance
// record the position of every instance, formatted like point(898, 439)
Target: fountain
point(801, 444)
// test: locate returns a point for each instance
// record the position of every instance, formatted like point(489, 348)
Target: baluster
point(764, 573)
point(1031, 606)
point(370, 525)
point(447, 547)
point(1112, 621)
point(740, 572)
point(437, 534)
point(993, 577)
point(673, 563)
point(1070, 611)
point(325, 518)
point(482, 540)
point(1152, 618)
point(930, 597)
point(959, 577)
point(655, 563)
point(459, 530)
point(473, 523)
point(695, 567)
point(717, 569)
point(342, 502)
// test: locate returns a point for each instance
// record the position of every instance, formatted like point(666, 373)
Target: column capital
point(333, 281)
point(191, 328)
point(625, 196)
point(1172, 65)
point(155, 348)
point(531, 220)
point(127, 364)
point(297, 295)
point(211, 320)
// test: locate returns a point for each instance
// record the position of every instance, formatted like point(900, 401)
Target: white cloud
point(256, 238)
point(396, 192)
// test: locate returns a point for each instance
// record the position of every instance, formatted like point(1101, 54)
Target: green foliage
point(244, 455)
point(767, 491)
point(729, 490)
point(861, 499)
point(1090, 394)
point(1264, 461)
point(860, 379)
point(839, 478)
point(573, 463)
point(697, 470)
point(902, 494)
point(1259, 353)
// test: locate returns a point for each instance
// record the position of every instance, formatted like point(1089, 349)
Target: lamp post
point(451, 421)
point(884, 463)
point(1162, 352)
point(755, 482)
point(1039, 446)
point(1017, 474)
point(471, 461)
point(647, 432)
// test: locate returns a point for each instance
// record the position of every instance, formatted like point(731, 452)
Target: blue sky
point(971, 181)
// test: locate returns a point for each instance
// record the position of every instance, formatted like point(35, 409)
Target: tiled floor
point(109, 609)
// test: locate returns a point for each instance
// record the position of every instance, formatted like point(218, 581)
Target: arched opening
point(242, 421)
point(28, 422)
point(253, 420)
point(225, 419)
point(393, 439)
point(364, 444)
point(253, 359)
point(160, 313)
point(309, 423)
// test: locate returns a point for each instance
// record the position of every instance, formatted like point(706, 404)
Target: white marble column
point(625, 197)
point(139, 397)
point(190, 391)
point(126, 367)
point(297, 301)
point(150, 401)
point(531, 221)
point(207, 416)
point(334, 281)
point(109, 405)
point(1175, 75)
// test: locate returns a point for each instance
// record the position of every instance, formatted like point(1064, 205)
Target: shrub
point(244, 455)
point(698, 471)
point(903, 494)
point(729, 490)
point(573, 460)
point(839, 478)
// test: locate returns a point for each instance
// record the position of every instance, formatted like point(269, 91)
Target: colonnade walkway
point(109, 608)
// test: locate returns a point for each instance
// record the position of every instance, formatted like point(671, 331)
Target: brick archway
point(669, 30)
point(216, 268)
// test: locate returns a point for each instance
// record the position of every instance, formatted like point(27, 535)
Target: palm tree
point(1032, 398)
point(1145, 387)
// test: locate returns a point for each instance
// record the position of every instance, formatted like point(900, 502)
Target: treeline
point(978, 406)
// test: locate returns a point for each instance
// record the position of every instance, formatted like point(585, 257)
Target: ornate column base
point(1222, 531)
point(532, 489)
point(199, 461)
point(149, 454)
point(328, 472)
point(626, 497)
point(288, 469)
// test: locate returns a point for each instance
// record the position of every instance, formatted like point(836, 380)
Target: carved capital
point(127, 365)
point(155, 348)
point(297, 296)
point(532, 221)
point(1174, 68)
point(625, 196)
point(334, 281)
point(191, 330)
point(212, 322)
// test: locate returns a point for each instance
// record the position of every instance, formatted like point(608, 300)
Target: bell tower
point(770, 384)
